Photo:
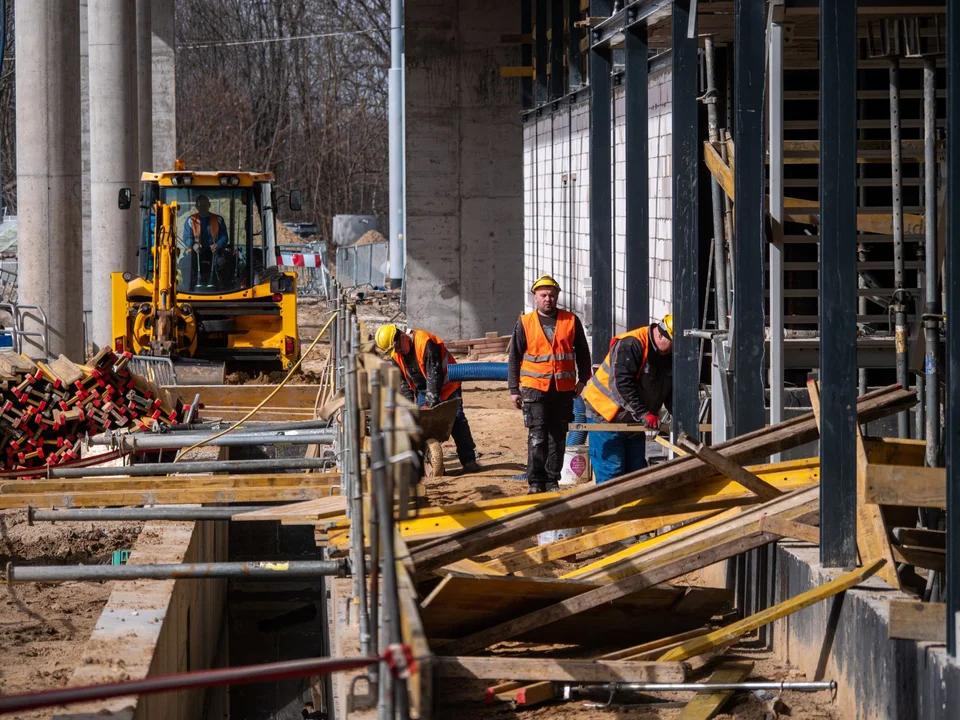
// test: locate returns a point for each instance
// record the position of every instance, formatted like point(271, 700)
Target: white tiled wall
point(557, 209)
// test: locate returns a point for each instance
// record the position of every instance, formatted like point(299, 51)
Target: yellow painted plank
point(707, 704)
point(738, 629)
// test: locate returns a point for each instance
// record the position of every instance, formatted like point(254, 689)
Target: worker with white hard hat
point(423, 359)
point(548, 366)
point(632, 384)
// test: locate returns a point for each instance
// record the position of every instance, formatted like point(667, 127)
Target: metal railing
point(359, 265)
point(37, 339)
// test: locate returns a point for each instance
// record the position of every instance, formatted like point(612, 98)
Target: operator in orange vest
point(548, 366)
point(632, 384)
point(205, 233)
point(423, 360)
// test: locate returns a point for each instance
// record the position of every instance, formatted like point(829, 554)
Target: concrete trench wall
point(151, 627)
point(845, 638)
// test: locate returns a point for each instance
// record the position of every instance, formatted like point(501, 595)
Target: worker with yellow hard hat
point(548, 366)
point(632, 384)
point(423, 360)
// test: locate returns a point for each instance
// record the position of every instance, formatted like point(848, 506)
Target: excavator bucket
point(164, 371)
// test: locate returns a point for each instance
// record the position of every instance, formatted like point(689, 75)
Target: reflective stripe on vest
point(598, 391)
point(213, 225)
point(420, 340)
point(544, 361)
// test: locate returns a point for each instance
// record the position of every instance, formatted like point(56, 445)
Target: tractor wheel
point(433, 459)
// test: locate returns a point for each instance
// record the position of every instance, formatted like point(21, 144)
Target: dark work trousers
point(462, 437)
point(547, 419)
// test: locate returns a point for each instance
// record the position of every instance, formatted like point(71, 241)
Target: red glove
point(651, 421)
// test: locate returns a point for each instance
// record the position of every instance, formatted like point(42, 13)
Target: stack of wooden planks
point(46, 408)
point(490, 344)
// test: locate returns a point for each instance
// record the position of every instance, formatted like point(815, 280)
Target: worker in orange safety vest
point(423, 360)
point(548, 366)
point(632, 384)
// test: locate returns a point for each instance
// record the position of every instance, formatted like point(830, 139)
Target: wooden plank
point(661, 564)
point(168, 482)
point(501, 692)
point(654, 646)
point(935, 560)
point(132, 498)
point(570, 670)
point(420, 683)
point(540, 554)
point(909, 486)
point(247, 396)
point(535, 694)
point(920, 537)
point(706, 705)
point(471, 567)
point(764, 490)
point(764, 617)
point(313, 509)
point(790, 529)
point(912, 620)
point(669, 476)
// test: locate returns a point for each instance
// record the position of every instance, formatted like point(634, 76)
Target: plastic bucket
point(576, 465)
point(545, 538)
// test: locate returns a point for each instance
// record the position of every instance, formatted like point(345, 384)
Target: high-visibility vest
point(214, 225)
point(420, 340)
point(598, 392)
point(544, 361)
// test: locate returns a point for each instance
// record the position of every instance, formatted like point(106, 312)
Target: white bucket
point(576, 465)
point(545, 538)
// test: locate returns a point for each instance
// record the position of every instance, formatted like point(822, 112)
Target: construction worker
point(548, 366)
point(632, 383)
point(423, 359)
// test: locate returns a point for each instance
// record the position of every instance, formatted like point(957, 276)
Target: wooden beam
point(470, 567)
point(311, 510)
point(935, 560)
point(670, 476)
point(790, 529)
point(661, 564)
point(517, 71)
point(764, 617)
point(494, 668)
point(421, 683)
point(132, 498)
point(706, 705)
point(168, 482)
point(764, 490)
point(922, 538)
point(910, 486)
point(911, 620)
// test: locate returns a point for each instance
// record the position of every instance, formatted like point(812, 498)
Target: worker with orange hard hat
point(632, 384)
point(423, 360)
point(548, 366)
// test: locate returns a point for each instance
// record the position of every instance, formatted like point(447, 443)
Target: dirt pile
point(370, 237)
point(62, 543)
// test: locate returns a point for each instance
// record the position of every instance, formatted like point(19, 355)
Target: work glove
point(651, 421)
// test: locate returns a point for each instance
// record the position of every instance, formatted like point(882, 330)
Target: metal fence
point(309, 261)
point(363, 265)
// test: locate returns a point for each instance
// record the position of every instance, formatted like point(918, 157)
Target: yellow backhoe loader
point(208, 291)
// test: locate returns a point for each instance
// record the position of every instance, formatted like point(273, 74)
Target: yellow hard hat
point(666, 326)
point(386, 337)
point(545, 281)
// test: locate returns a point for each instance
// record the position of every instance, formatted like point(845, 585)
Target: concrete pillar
point(114, 149)
point(163, 29)
point(48, 170)
point(144, 85)
point(85, 175)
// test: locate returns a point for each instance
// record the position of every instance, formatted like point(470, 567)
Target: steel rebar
point(800, 686)
point(166, 512)
point(931, 306)
point(198, 466)
point(374, 533)
point(898, 304)
point(383, 496)
point(273, 569)
point(357, 548)
point(719, 240)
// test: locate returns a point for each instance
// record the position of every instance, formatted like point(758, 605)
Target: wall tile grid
point(556, 201)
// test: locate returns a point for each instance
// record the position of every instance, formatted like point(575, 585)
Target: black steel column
point(952, 310)
point(541, 50)
point(574, 36)
point(558, 85)
point(838, 283)
point(601, 224)
point(749, 219)
point(526, 50)
point(637, 179)
point(686, 283)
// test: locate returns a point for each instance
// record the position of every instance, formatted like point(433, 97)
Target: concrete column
point(145, 85)
point(85, 176)
point(114, 149)
point(163, 29)
point(48, 170)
